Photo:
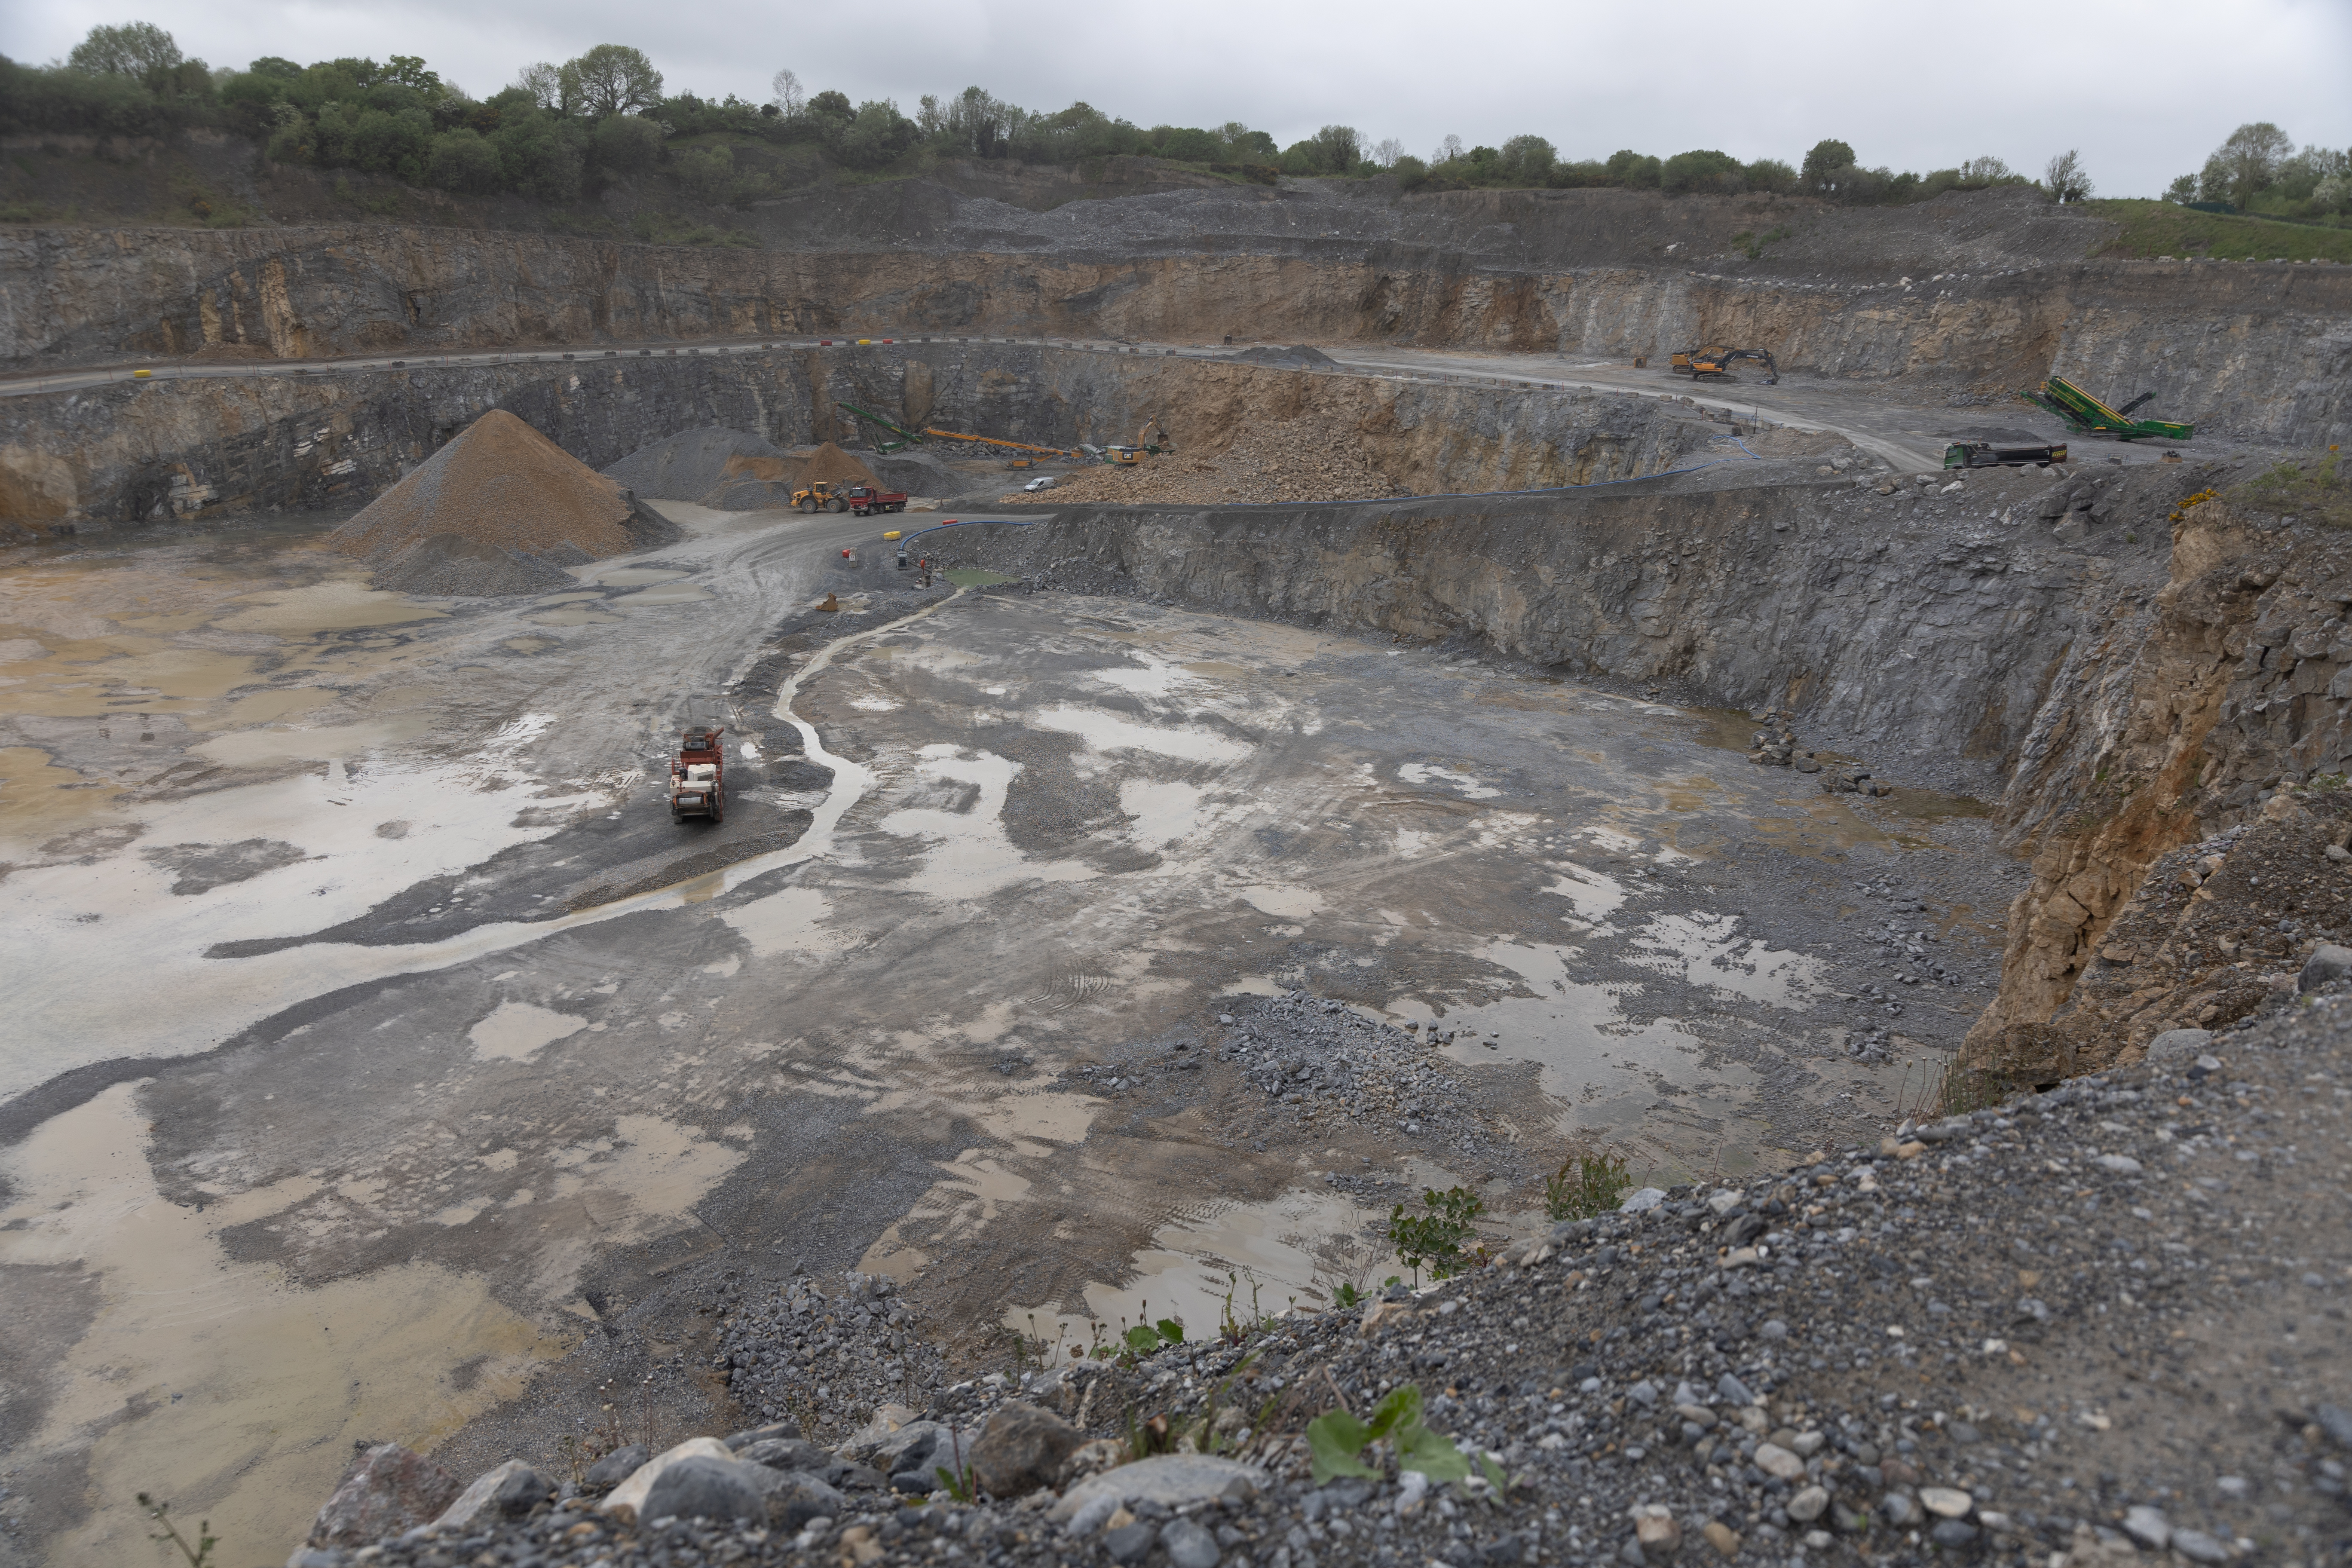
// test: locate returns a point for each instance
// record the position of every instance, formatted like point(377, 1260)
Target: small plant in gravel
point(958, 1482)
point(1589, 1183)
point(1433, 1240)
point(200, 1555)
point(1336, 1442)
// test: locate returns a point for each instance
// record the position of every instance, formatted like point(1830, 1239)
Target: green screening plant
point(1588, 1183)
point(1435, 1240)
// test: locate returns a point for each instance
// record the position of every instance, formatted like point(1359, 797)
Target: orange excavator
point(1712, 362)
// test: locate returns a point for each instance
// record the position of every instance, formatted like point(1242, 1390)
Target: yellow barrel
point(141, 374)
point(894, 533)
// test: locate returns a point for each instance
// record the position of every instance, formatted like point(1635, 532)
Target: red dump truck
point(864, 500)
point(697, 779)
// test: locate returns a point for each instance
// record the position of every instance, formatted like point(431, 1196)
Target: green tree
point(2247, 162)
point(409, 71)
point(1701, 169)
point(2066, 179)
point(463, 161)
point(1337, 149)
point(1627, 167)
point(2182, 190)
point(626, 144)
point(1526, 160)
point(135, 49)
point(1771, 174)
point(611, 79)
point(1824, 166)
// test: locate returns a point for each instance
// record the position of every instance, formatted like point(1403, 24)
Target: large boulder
point(795, 1497)
point(628, 1499)
point(388, 1489)
point(1171, 1480)
point(785, 1453)
point(509, 1491)
point(615, 1467)
point(702, 1486)
point(1020, 1449)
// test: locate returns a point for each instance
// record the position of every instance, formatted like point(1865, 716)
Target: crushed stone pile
point(692, 464)
point(831, 463)
point(2025, 1334)
point(1291, 460)
point(500, 509)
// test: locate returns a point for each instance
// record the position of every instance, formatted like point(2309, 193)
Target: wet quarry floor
point(379, 1042)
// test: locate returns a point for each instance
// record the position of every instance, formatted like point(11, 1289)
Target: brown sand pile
point(830, 462)
point(484, 513)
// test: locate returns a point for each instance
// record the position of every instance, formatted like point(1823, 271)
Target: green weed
point(1587, 1183)
point(1336, 1441)
point(200, 1555)
point(1433, 1240)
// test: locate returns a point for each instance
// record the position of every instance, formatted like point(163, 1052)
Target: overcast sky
point(2144, 87)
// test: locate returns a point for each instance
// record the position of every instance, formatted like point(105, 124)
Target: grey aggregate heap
point(2099, 1325)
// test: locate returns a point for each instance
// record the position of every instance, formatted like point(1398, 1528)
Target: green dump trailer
point(2083, 412)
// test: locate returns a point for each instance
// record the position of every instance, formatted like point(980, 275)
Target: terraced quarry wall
point(2256, 351)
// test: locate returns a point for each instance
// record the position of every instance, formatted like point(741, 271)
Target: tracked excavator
point(1712, 362)
point(1128, 456)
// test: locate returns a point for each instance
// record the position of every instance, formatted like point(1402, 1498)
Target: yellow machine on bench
point(1710, 363)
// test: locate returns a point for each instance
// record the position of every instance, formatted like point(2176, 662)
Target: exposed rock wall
point(2177, 718)
point(1905, 627)
point(2264, 350)
point(177, 449)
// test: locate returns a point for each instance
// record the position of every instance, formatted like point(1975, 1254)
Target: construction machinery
point(1986, 455)
point(697, 777)
point(995, 441)
point(1712, 362)
point(906, 437)
point(2085, 414)
point(1133, 453)
point(822, 495)
point(864, 500)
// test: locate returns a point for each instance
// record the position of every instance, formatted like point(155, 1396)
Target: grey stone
point(1173, 1479)
point(2327, 961)
point(1020, 1449)
point(509, 1491)
point(615, 1467)
point(1731, 1388)
point(910, 1449)
point(2337, 1422)
point(2200, 1547)
point(784, 1454)
point(318, 1557)
point(2148, 1526)
point(1646, 1199)
point(699, 1487)
point(1189, 1546)
point(795, 1497)
point(1952, 1533)
point(1809, 1504)
point(2174, 1043)
point(1900, 1508)
point(1131, 1542)
point(387, 1490)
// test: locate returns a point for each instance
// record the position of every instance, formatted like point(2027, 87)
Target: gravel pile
point(692, 464)
point(496, 511)
point(824, 1356)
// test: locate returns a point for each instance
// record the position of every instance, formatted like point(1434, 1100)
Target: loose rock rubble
point(1294, 461)
point(2083, 1327)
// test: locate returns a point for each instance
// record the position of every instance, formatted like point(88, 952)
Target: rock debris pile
point(1318, 1061)
point(1985, 1338)
point(813, 1352)
point(499, 509)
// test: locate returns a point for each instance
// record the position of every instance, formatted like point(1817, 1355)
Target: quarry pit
point(371, 1003)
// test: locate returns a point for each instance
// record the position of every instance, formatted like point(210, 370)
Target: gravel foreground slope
point(2101, 1324)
